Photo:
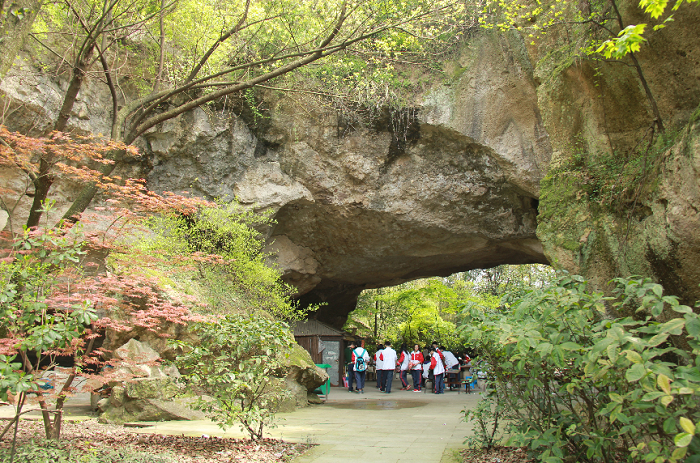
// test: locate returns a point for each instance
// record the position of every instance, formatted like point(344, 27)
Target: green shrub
point(237, 362)
point(577, 386)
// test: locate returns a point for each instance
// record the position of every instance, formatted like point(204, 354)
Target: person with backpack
point(360, 359)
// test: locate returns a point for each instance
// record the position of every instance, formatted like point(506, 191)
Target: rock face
point(604, 114)
point(451, 184)
point(452, 189)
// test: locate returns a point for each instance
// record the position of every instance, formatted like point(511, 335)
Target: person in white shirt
point(450, 360)
point(403, 366)
point(451, 363)
point(415, 364)
point(388, 358)
point(438, 371)
point(379, 367)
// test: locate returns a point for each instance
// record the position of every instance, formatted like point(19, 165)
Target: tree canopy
point(423, 311)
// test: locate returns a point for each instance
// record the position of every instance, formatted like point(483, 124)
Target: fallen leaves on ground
point(496, 455)
point(90, 435)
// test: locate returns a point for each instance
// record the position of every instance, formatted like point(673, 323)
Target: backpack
point(360, 364)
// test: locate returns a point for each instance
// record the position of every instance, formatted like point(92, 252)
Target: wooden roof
point(314, 328)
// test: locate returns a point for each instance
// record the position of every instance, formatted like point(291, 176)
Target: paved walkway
point(371, 427)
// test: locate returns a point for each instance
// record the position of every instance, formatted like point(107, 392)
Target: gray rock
point(151, 388)
point(151, 410)
point(302, 370)
point(137, 352)
point(103, 404)
point(118, 396)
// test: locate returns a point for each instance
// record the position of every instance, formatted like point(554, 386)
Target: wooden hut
point(325, 344)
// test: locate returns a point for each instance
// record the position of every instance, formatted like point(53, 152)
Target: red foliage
point(124, 299)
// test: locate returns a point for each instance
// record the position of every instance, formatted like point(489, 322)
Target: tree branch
point(234, 30)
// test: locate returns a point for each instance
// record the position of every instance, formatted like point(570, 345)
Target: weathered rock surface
point(604, 112)
point(454, 187)
point(659, 239)
point(300, 368)
point(150, 395)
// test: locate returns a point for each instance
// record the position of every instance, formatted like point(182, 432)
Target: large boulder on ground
point(301, 369)
point(151, 410)
point(142, 390)
point(151, 388)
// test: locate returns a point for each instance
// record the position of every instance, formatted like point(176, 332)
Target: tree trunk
point(42, 185)
point(44, 180)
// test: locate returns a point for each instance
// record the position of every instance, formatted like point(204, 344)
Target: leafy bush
point(576, 385)
point(488, 428)
point(238, 364)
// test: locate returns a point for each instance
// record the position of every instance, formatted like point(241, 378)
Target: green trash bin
point(325, 388)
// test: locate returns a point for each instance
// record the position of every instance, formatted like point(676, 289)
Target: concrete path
point(372, 427)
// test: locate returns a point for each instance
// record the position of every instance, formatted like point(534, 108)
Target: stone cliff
point(456, 187)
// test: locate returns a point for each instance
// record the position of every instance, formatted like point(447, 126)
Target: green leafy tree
point(574, 384)
point(420, 312)
point(217, 254)
point(237, 362)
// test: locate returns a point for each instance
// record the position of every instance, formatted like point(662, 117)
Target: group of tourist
point(428, 365)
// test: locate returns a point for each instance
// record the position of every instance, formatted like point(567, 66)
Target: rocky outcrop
point(451, 188)
point(450, 185)
point(657, 237)
point(143, 390)
point(597, 114)
point(455, 188)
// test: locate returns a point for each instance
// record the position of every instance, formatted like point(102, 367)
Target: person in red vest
point(415, 364)
point(379, 367)
point(438, 367)
point(442, 356)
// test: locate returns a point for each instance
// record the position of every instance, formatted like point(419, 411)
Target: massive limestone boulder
point(446, 186)
point(450, 184)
